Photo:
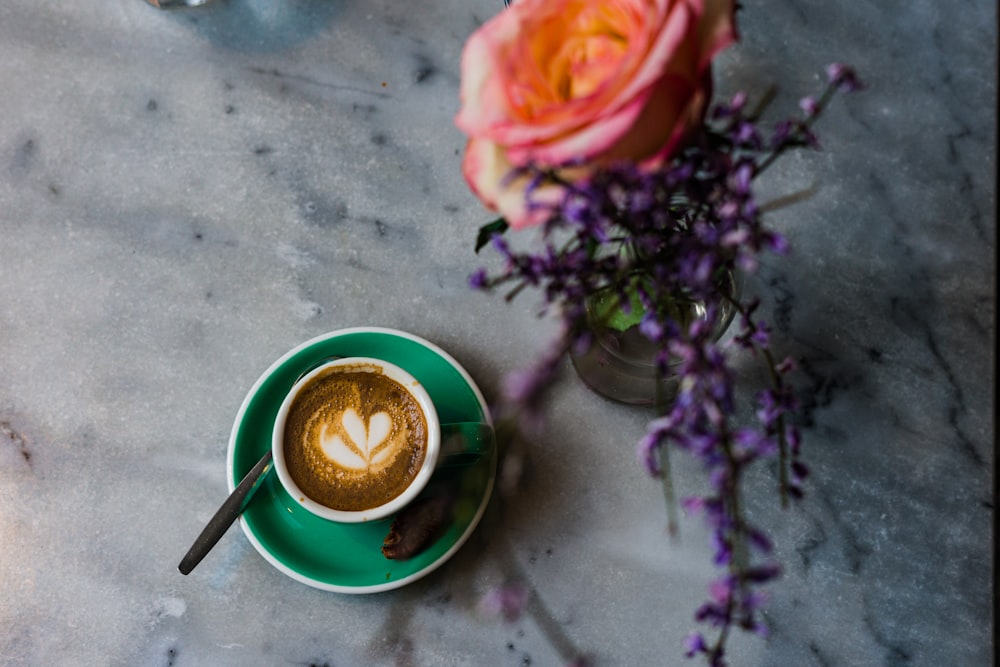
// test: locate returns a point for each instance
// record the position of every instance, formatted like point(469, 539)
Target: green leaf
point(486, 232)
point(609, 312)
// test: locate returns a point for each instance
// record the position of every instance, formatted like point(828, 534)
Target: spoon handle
point(224, 517)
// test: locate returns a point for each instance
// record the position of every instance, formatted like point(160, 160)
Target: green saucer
point(347, 558)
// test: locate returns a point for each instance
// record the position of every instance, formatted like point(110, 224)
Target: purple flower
point(809, 106)
point(781, 134)
point(647, 450)
point(500, 245)
point(721, 590)
point(662, 237)
point(695, 644)
point(651, 327)
point(508, 601)
point(723, 549)
point(648, 454)
point(693, 504)
point(843, 77)
point(733, 108)
point(745, 134)
point(761, 541)
point(479, 279)
point(787, 365)
point(750, 443)
point(521, 386)
point(742, 177)
point(777, 243)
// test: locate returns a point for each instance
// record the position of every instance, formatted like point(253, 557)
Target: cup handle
point(465, 443)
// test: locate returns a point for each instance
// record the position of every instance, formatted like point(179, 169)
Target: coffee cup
point(357, 439)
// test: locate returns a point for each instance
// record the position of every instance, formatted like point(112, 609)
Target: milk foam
point(353, 445)
point(354, 438)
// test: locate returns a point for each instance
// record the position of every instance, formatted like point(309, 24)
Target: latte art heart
point(354, 438)
point(363, 446)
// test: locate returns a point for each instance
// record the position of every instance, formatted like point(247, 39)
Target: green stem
point(782, 442)
point(821, 105)
point(739, 560)
point(666, 474)
point(776, 383)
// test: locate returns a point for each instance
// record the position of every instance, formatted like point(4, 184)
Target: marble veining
point(186, 195)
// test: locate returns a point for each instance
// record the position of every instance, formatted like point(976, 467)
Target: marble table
point(186, 195)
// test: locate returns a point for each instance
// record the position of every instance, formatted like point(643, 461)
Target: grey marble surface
point(184, 196)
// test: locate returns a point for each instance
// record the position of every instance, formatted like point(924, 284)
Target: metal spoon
point(237, 500)
point(224, 517)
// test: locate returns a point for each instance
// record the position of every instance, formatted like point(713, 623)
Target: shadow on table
point(259, 25)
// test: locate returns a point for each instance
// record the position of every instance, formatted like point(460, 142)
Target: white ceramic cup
point(466, 442)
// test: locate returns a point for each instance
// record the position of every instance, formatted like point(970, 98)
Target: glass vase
point(621, 364)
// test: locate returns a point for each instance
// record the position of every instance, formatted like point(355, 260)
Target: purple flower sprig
point(653, 241)
point(699, 422)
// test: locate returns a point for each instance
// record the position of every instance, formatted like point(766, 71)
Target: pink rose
point(547, 82)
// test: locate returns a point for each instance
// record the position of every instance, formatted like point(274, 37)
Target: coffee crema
point(354, 438)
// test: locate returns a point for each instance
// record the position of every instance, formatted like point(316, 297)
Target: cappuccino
point(354, 438)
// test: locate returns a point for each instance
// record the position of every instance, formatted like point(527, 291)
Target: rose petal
point(489, 175)
point(547, 83)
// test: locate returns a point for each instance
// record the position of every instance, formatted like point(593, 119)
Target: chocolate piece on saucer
point(417, 526)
